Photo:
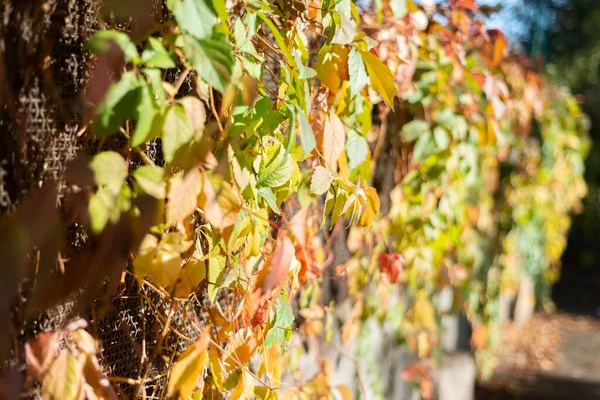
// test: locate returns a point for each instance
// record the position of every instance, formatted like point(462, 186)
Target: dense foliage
point(270, 138)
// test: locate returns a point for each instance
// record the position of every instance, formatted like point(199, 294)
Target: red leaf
point(391, 265)
point(261, 314)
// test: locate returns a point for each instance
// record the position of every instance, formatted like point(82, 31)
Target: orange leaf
point(278, 266)
point(499, 47)
point(466, 4)
point(241, 347)
point(419, 372)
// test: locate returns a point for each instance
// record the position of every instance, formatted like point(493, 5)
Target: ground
point(554, 356)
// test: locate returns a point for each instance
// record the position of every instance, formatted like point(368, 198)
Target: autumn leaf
point(380, 77)
point(177, 131)
point(245, 387)
point(191, 275)
point(241, 347)
point(332, 67)
point(195, 112)
point(466, 4)
point(220, 202)
point(64, 379)
point(188, 367)
point(161, 262)
point(419, 372)
point(278, 265)
point(40, 352)
point(331, 143)
point(345, 32)
point(391, 265)
point(216, 269)
point(499, 48)
point(184, 189)
point(151, 180)
point(321, 180)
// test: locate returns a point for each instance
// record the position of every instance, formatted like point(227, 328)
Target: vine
point(272, 118)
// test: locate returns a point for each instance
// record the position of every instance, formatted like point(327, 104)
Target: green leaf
point(278, 38)
point(155, 55)
point(277, 172)
point(177, 131)
point(100, 208)
point(441, 137)
point(119, 104)
point(424, 146)
point(345, 31)
point(152, 180)
point(414, 129)
point(380, 76)
point(146, 116)
point(216, 272)
point(446, 118)
point(321, 180)
point(103, 41)
point(307, 136)
point(106, 205)
point(357, 72)
point(211, 57)
point(267, 194)
point(243, 38)
point(155, 76)
point(357, 149)
point(110, 170)
point(221, 10)
point(281, 328)
point(197, 17)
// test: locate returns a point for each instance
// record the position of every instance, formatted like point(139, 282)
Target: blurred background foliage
point(564, 35)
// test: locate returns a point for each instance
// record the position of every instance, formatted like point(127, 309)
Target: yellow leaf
point(271, 363)
point(184, 189)
point(63, 381)
point(217, 368)
point(245, 387)
point(422, 314)
point(161, 262)
point(344, 392)
point(189, 366)
point(332, 68)
point(380, 76)
point(331, 143)
point(343, 166)
point(190, 277)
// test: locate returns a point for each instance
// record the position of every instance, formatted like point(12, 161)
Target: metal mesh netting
point(43, 75)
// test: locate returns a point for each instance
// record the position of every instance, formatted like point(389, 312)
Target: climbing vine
point(281, 124)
